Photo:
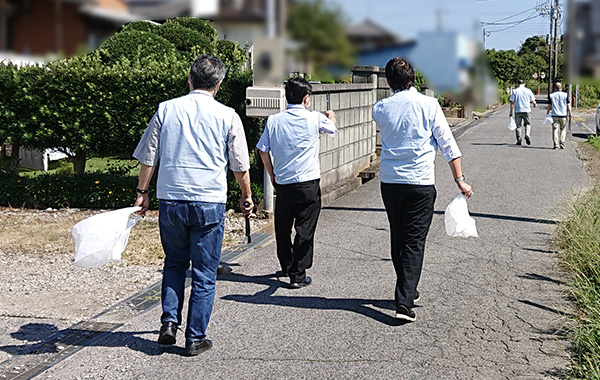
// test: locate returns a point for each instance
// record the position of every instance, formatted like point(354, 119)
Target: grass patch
point(579, 241)
point(595, 141)
point(64, 166)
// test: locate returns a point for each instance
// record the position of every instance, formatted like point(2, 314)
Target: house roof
point(370, 30)
point(241, 10)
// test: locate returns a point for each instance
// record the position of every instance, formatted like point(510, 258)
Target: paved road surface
point(491, 307)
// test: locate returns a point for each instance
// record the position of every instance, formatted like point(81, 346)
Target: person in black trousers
point(412, 127)
point(289, 149)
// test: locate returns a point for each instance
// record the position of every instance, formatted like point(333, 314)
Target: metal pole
point(556, 42)
point(267, 185)
point(550, 47)
point(58, 26)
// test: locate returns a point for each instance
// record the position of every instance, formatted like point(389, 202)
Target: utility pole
point(556, 40)
point(550, 48)
point(58, 31)
point(486, 34)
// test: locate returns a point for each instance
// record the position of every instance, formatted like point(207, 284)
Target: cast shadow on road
point(506, 217)
point(45, 338)
point(363, 307)
point(439, 212)
point(514, 146)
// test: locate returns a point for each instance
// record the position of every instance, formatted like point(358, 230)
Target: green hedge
point(98, 105)
point(135, 44)
point(92, 190)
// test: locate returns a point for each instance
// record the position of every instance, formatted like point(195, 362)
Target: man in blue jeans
point(194, 140)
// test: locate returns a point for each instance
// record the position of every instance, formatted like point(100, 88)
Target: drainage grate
point(41, 356)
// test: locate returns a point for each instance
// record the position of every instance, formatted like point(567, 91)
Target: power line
point(506, 18)
point(530, 17)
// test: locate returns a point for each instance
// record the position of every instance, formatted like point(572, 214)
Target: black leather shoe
point(196, 348)
point(297, 285)
point(168, 330)
point(282, 273)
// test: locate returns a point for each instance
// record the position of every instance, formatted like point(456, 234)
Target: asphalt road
point(491, 307)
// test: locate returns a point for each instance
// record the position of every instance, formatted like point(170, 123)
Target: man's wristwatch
point(459, 179)
point(140, 191)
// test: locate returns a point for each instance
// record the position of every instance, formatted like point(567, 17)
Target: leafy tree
point(321, 30)
point(97, 110)
point(506, 65)
point(19, 118)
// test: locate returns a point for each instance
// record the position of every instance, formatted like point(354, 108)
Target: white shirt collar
point(412, 89)
point(203, 92)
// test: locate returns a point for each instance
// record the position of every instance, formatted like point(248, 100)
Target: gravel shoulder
point(41, 284)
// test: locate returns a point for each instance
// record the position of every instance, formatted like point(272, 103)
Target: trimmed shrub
point(134, 45)
point(232, 55)
point(142, 26)
point(92, 190)
point(100, 104)
point(197, 24)
point(185, 40)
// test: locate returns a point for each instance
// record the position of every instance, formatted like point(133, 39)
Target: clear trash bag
point(547, 119)
point(102, 238)
point(511, 124)
point(457, 218)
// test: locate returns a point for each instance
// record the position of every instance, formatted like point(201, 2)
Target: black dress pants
point(410, 211)
point(298, 205)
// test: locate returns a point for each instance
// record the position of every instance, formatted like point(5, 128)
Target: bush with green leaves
point(134, 45)
point(91, 190)
point(100, 104)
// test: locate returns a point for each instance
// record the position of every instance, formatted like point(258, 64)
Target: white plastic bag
point(511, 124)
point(102, 238)
point(457, 218)
point(547, 119)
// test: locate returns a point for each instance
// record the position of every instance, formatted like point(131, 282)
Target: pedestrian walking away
point(289, 149)
point(194, 140)
point(560, 106)
point(521, 100)
point(412, 127)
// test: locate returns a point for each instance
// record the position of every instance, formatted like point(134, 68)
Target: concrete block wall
point(352, 149)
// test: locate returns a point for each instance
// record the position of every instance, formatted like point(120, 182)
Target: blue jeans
point(190, 231)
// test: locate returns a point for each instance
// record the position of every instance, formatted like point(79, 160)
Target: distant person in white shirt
point(520, 101)
point(292, 138)
point(412, 128)
point(560, 106)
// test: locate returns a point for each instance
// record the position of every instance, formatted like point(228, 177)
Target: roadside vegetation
point(98, 105)
point(578, 239)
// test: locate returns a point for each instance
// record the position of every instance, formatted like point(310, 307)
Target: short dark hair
point(207, 72)
point(400, 74)
point(296, 89)
point(520, 81)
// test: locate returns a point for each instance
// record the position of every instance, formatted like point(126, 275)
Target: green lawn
point(93, 164)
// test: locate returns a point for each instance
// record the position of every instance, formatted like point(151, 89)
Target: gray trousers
point(522, 118)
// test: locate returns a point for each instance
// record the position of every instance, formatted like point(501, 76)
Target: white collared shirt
point(292, 137)
point(194, 139)
point(522, 97)
point(412, 127)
